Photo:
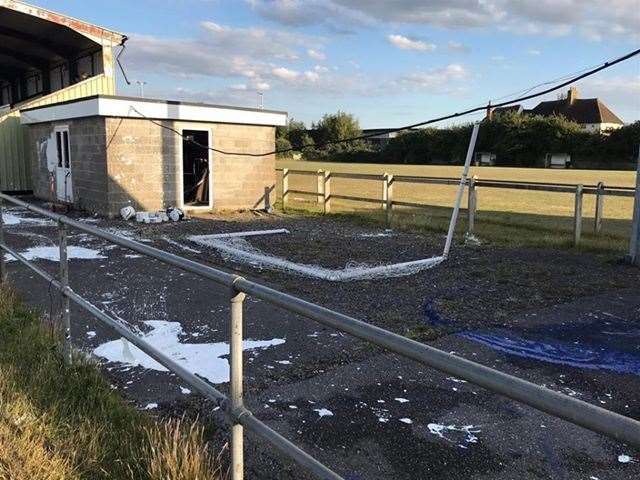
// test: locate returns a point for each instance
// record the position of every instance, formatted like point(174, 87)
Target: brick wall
point(122, 161)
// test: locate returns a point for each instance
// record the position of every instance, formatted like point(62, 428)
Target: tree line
point(516, 140)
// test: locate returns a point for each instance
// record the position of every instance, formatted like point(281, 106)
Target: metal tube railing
point(562, 406)
point(240, 415)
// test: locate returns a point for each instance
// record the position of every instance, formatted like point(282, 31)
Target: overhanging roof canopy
point(34, 38)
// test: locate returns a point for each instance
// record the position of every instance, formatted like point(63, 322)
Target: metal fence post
point(285, 187)
point(327, 192)
point(634, 245)
point(472, 204)
point(577, 216)
point(597, 223)
point(3, 265)
point(64, 282)
point(235, 365)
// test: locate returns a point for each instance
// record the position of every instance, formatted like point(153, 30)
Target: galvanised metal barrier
point(592, 417)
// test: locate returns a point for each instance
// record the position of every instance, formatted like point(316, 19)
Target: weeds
point(65, 422)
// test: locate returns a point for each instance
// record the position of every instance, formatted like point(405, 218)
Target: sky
point(390, 63)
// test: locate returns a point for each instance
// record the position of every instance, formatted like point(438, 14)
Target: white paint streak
point(441, 431)
point(323, 412)
point(150, 406)
point(251, 233)
point(53, 254)
point(204, 359)
point(240, 250)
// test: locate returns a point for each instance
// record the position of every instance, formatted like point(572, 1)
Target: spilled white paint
point(446, 432)
point(323, 412)
point(401, 400)
point(252, 233)
point(408, 421)
point(150, 406)
point(625, 459)
point(185, 391)
point(16, 217)
point(53, 254)
point(204, 359)
point(91, 334)
point(240, 250)
point(180, 245)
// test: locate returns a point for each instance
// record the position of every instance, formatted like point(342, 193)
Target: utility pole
point(141, 84)
point(261, 100)
point(634, 244)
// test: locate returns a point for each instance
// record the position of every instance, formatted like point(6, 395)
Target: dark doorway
point(195, 168)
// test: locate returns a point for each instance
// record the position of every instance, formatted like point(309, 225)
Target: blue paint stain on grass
point(597, 342)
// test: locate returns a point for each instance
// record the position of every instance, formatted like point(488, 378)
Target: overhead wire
point(524, 97)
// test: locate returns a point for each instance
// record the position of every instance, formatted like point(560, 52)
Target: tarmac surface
point(366, 413)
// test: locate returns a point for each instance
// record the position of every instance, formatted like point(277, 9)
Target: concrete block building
point(104, 152)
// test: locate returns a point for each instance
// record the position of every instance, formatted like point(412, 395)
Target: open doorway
point(195, 168)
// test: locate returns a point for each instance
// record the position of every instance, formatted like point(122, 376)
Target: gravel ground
point(385, 412)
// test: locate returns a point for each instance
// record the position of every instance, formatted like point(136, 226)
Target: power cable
point(469, 111)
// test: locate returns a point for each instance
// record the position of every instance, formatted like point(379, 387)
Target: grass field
point(60, 422)
point(532, 216)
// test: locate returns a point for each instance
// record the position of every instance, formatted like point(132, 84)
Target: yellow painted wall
point(15, 165)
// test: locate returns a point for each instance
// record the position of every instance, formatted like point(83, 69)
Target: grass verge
point(65, 422)
point(501, 229)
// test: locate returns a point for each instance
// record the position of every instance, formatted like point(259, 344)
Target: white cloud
point(438, 80)
point(457, 47)
point(316, 55)
point(311, 76)
point(406, 43)
point(285, 74)
point(593, 19)
point(534, 52)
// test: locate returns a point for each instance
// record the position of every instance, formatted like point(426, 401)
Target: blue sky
point(390, 62)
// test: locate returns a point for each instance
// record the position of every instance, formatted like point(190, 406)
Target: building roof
point(580, 110)
point(32, 38)
point(134, 107)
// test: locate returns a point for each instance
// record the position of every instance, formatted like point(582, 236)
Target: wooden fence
point(387, 200)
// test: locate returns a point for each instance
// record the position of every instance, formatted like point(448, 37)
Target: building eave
point(98, 34)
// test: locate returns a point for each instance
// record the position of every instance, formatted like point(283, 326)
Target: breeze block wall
point(239, 182)
point(87, 156)
point(142, 165)
point(116, 162)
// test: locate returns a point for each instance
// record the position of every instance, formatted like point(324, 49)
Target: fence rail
point(387, 201)
point(581, 413)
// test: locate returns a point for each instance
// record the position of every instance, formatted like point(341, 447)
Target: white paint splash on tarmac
point(204, 359)
point(238, 249)
point(446, 432)
point(53, 254)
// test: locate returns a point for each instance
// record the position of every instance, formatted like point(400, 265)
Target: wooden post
point(472, 204)
point(285, 188)
point(634, 245)
point(577, 218)
point(385, 190)
point(320, 188)
point(597, 225)
point(327, 192)
point(388, 197)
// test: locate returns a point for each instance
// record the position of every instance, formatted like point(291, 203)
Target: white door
point(64, 184)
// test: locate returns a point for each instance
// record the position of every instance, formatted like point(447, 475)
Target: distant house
point(590, 113)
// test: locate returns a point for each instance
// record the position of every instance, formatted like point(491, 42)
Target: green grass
point(65, 422)
point(506, 217)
